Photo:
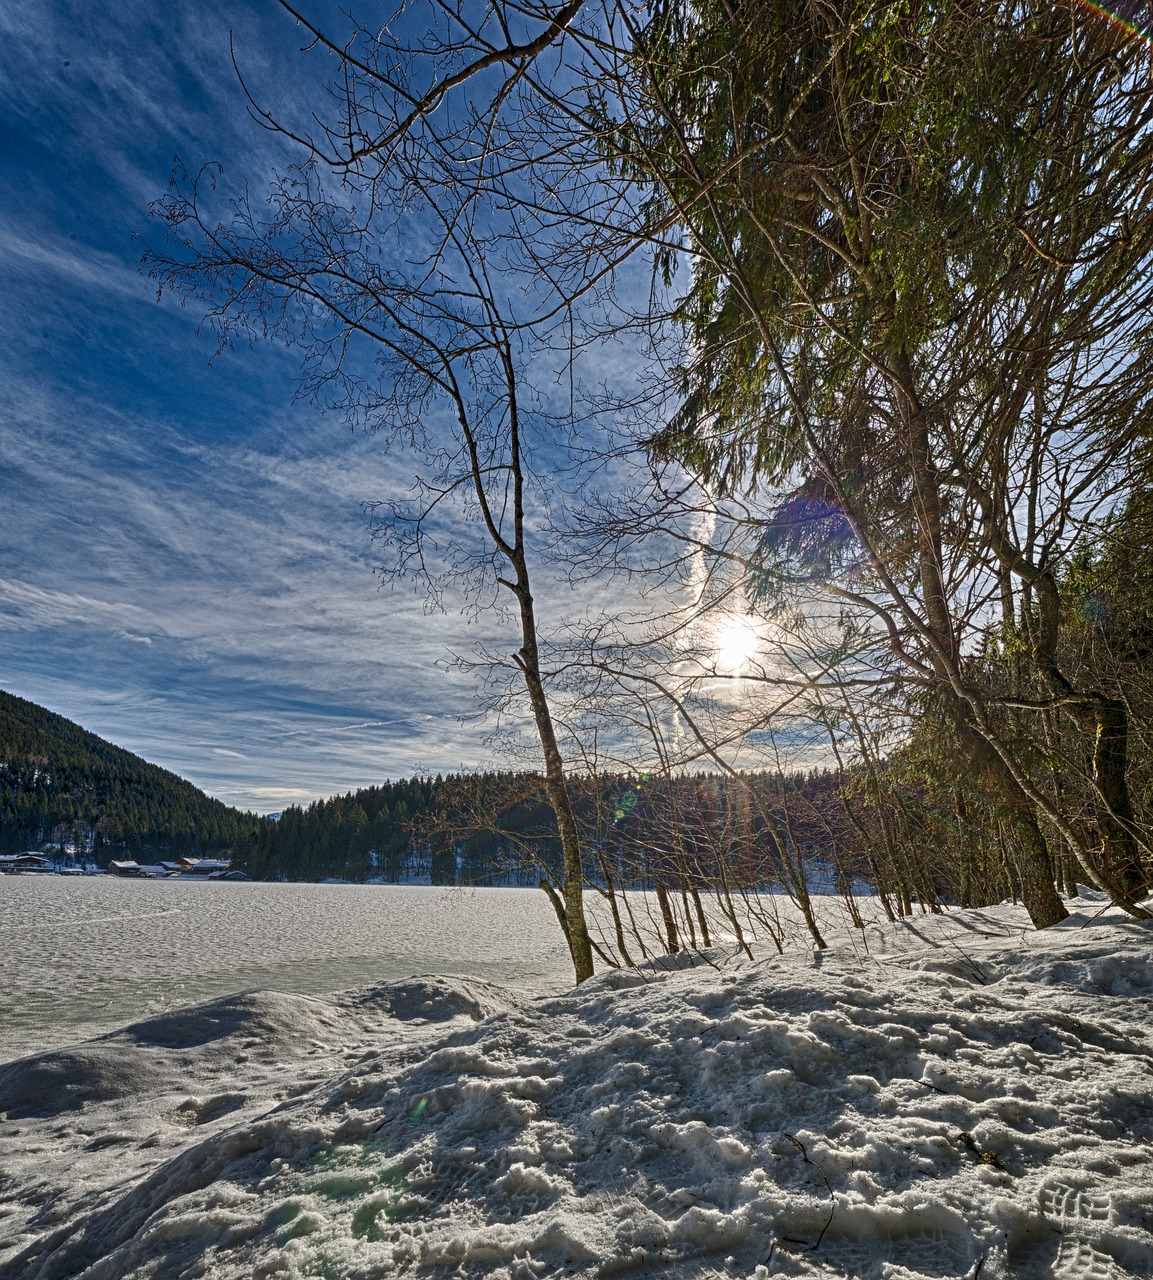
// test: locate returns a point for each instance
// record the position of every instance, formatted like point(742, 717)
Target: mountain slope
point(57, 779)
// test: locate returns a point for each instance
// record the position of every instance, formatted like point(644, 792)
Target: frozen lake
point(82, 956)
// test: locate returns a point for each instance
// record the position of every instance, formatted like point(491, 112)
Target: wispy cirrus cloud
point(189, 584)
point(185, 563)
point(25, 606)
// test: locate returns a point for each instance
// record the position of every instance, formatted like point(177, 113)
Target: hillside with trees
point(60, 783)
point(907, 829)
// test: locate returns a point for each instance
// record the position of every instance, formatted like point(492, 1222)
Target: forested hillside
point(412, 829)
point(893, 830)
point(59, 782)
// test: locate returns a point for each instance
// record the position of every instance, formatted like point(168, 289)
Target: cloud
point(212, 584)
point(185, 562)
point(344, 728)
point(52, 255)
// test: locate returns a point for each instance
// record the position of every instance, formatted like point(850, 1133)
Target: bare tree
point(388, 288)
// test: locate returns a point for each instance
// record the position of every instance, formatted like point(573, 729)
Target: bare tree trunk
point(633, 925)
point(672, 942)
point(688, 914)
point(1120, 855)
point(1122, 874)
point(577, 934)
point(1030, 851)
point(701, 920)
point(618, 925)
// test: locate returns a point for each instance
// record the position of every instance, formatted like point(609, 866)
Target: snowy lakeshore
point(952, 1096)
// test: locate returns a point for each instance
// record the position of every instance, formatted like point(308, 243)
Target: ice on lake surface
point(83, 956)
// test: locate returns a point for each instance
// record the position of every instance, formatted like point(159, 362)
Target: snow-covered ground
point(85, 955)
point(960, 1097)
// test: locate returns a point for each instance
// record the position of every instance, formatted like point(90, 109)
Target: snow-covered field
point(83, 956)
point(960, 1097)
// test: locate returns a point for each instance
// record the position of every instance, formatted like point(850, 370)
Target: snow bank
point(963, 1098)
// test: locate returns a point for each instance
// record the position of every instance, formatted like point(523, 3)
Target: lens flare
point(1135, 17)
point(627, 799)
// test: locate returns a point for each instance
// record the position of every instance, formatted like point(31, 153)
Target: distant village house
point(185, 868)
point(23, 862)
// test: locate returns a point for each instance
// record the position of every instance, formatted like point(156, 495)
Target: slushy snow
point(953, 1096)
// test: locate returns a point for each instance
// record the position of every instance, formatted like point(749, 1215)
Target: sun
point(736, 643)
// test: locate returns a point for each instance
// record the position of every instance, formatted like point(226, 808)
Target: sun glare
point(736, 643)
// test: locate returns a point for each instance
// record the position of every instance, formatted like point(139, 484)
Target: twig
point(1096, 914)
point(974, 967)
point(800, 1146)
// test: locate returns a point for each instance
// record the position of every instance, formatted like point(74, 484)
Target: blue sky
point(185, 565)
